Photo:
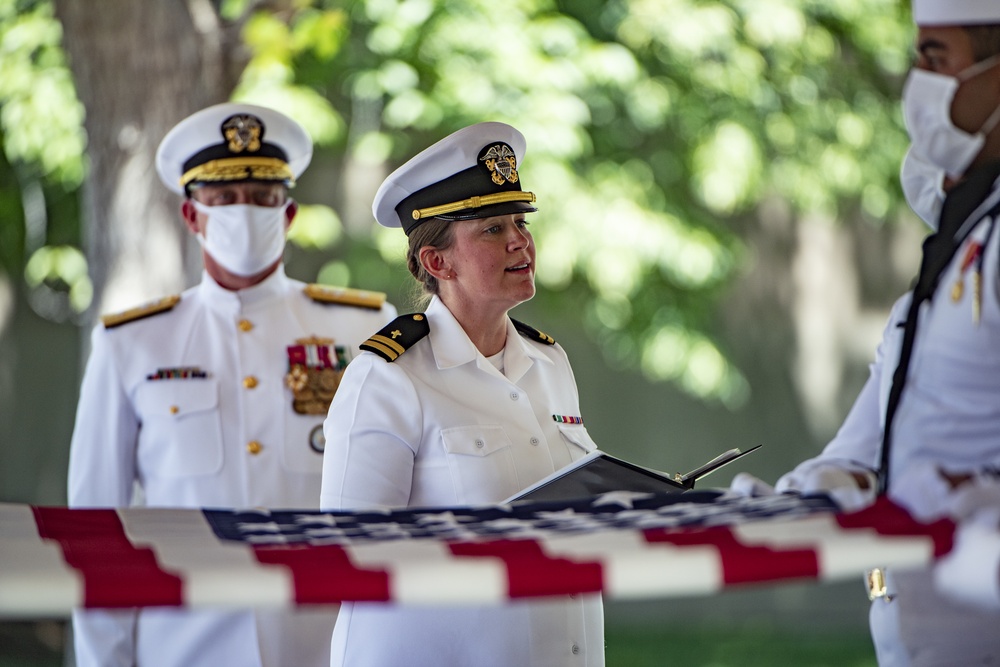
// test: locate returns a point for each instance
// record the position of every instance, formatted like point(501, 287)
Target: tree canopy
point(654, 128)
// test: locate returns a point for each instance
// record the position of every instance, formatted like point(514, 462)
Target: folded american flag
point(624, 545)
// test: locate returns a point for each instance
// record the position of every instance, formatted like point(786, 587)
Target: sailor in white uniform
point(925, 429)
point(216, 397)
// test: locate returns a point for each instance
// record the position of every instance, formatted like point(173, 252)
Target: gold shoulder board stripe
point(533, 333)
point(397, 336)
point(345, 296)
point(146, 310)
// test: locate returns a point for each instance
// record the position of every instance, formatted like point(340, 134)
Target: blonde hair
point(436, 233)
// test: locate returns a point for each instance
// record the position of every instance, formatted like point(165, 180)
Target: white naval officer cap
point(471, 173)
point(233, 142)
point(956, 12)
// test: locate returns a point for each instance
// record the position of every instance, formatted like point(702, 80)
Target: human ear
point(435, 263)
point(290, 211)
point(190, 215)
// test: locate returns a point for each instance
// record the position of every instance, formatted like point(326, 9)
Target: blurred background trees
point(720, 224)
point(721, 227)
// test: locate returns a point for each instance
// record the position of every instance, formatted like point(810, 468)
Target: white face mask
point(923, 187)
point(242, 238)
point(927, 99)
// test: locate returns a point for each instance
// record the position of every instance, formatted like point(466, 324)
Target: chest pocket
point(302, 451)
point(481, 462)
point(578, 440)
point(181, 432)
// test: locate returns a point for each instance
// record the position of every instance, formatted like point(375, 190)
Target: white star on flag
point(624, 498)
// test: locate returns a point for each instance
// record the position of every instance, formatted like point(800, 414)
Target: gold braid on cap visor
point(240, 169)
point(473, 202)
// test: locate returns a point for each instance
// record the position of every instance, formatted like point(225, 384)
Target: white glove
point(982, 492)
point(747, 486)
point(970, 573)
point(922, 490)
point(836, 481)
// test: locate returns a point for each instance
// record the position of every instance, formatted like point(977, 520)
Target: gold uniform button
point(174, 409)
point(245, 325)
point(250, 382)
point(254, 447)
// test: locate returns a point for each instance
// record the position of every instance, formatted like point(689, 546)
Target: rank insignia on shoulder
point(345, 296)
point(398, 336)
point(140, 312)
point(533, 333)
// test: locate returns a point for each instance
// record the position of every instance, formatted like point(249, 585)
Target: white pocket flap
point(177, 398)
point(577, 434)
point(478, 440)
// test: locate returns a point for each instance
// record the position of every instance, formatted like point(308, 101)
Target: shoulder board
point(145, 310)
point(398, 336)
point(345, 296)
point(533, 333)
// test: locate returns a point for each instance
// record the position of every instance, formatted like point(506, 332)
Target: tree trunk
point(140, 66)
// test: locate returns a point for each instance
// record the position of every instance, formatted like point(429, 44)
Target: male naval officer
point(925, 429)
point(216, 397)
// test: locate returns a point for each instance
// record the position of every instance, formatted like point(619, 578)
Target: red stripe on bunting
point(321, 574)
point(531, 572)
point(116, 573)
point(886, 518)
point(743, 564)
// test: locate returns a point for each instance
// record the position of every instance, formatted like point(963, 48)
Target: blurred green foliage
point(755, 645)
point(653, 126)
point(40, 115)
point(42, 165)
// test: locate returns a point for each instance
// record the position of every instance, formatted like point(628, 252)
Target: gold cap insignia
point(502, 163)
point(243, 132)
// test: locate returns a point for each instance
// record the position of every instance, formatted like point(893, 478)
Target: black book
point(599, 472)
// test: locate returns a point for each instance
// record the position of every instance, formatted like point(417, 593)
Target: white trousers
point(918, 627)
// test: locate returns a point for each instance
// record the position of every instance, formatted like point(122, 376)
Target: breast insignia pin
point(315, 367)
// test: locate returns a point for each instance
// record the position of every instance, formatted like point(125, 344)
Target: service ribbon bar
point(567, 419)
point(182, 372)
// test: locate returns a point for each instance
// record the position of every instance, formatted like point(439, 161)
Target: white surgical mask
point(927, 98)
point(242, 238)
point(923, 187)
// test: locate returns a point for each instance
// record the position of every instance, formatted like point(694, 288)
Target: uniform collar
point(272, 287)
point(453, 347)
point(968, 195)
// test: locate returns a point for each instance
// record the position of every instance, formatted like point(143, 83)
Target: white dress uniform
point(949, 417)
point(191, 404)
point(442, 426)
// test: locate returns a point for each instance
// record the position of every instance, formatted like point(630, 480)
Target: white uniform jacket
point(949, 414)
point(948, 417)
point(192, 406)
point(441, 426)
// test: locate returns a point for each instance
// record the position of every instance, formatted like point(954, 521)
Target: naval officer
point(459, 405)
point(216, 397)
